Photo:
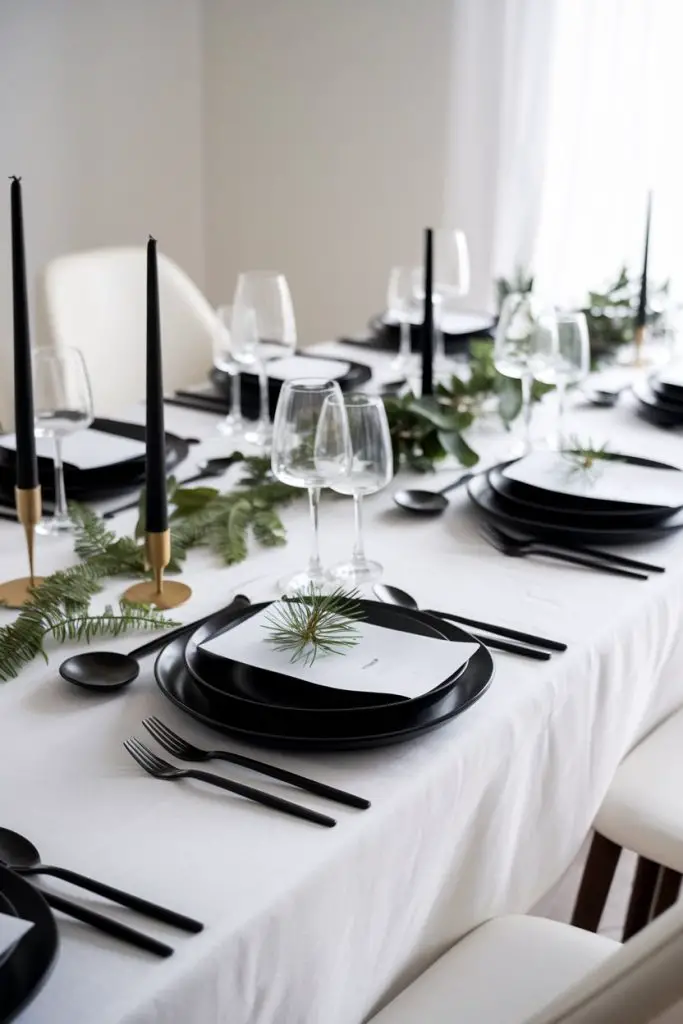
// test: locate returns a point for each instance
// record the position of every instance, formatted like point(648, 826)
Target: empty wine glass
point(401, 309)
point(62, 405)
point(300, 458)
point(526, 340)
point(451, 281)
point(569, 364)
point(223, 359)
point(265, 296)
point(372, 467)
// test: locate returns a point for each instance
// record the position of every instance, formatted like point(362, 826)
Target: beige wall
point(325, 146)
point(101, 115)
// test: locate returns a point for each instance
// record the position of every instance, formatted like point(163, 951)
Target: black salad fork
point(518, 548)
point(161, 769)
point(179, 747)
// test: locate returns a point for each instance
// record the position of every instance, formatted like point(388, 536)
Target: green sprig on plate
point(314, 624)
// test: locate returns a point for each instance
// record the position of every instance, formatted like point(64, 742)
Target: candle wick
point(152, 238)
point(13, 177)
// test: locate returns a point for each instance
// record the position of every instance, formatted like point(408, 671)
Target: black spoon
point(110, 670)
point(20, 855)
point(212, 467)
point(428, 502)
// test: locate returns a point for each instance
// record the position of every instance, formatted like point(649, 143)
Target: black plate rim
point(29, 904)
point(438, 626)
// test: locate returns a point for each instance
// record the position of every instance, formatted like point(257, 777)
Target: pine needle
point(314, 624)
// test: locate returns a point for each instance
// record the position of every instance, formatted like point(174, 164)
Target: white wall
point(101, 115)
point(325, 146)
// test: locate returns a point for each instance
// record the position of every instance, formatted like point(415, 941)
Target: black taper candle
point(27, 467)
point(641, 315)
point(156, 520)
point(428, 322)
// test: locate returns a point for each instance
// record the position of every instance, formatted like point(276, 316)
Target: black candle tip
point(151, 238)
point(13, 177)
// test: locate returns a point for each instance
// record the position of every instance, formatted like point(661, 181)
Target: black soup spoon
point(428, 502)
point(20, 855)
point(110, 670)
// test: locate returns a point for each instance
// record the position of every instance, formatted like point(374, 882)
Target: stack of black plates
point(25, 968)
point(459, 328)
point(93, 484)
point(279, 711)
point(567, 519)
point(660, 399)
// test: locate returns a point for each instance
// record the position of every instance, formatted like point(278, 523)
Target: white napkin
point(605, 481)
point(291, 367)
point(85, 449)
point(11, 930)
point(384, 660)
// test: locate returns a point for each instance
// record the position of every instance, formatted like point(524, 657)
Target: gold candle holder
point(638, 342)
point(16, 593)
point(158, 591)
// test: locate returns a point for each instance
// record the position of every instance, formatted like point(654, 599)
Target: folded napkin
point(86, 449)
point(11, 930)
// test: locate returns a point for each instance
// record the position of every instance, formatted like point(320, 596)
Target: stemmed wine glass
point(569, 364)
point(451, 281)
point(62, 405)
point(264, 296)
point(224, 359)
point(526, 340)
point(372, 467)
point(301, 457)
point(401, 309)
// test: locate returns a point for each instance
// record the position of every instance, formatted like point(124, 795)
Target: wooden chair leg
point(666, 892)
point(598, 875)
point(642, 897)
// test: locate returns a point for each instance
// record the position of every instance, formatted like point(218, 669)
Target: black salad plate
point(282, 697)
point(486, 500)
point(655, 409)
point(672, 393)
point(380, 726)
point(463, 328)
point(90, 484)
point(25, 970)
point(575, 502)
point(623, 516)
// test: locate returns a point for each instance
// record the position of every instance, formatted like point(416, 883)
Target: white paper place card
point(606, 480)
point(384, 660)
point(291, 367)
point(11, 930)
point(672, 375)
point(86, 449)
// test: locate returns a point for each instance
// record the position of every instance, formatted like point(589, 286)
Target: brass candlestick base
point(16, 593)
point(638, 343)
point(159, 592)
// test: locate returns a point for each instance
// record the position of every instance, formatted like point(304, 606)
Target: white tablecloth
point(314, 926)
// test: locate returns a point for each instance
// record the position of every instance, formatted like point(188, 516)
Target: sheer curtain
point(564, 114)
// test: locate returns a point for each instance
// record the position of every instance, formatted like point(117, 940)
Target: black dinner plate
point(27, 968)
point(654, 409)
point(386, 335)
point(486, 500)
point(283, 695)
point(177, 684)
point(586, 517)
point(672, 393)
point(92, 484)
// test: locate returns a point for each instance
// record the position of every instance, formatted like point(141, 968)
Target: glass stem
point(264, 410)
point(358, 546)
point(405, 344)
point(527, 381)
point(561, 402)
point(61, 509)
point(236, 397)
point(315, 566)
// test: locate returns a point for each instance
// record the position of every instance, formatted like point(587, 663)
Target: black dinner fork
point(519, 548)
point(161, 769)
point(179, 747)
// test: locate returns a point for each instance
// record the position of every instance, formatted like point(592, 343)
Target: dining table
point(477, 818)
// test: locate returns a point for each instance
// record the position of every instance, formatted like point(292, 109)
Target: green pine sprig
point(314, 624)
point(583, 457)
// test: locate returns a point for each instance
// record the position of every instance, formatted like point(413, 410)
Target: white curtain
point(565, 113)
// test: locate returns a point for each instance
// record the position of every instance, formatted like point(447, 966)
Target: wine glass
point(301, 458)
point(569, 364)
point(401, 309)
point(451, 281)
point(525, 341)
point(223, 359)
point(372, 467)
point(62, 405)
point(265, 296)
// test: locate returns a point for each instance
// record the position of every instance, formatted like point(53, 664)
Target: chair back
point(96, 301)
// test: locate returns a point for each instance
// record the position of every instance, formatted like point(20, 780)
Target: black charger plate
point(384, 726)
point(486, 500)
point(626, 517)
point(672, 393)
point(281, 698)
point(27, 968)
point(386, 334)
point(652, 408)
point(93, 484)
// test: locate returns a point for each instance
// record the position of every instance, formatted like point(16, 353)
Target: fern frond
point(228, 535)
point(268, 528)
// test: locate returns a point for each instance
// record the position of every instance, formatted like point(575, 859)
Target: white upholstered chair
point(524, 970)
point(96, 301)
point(642, 812)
